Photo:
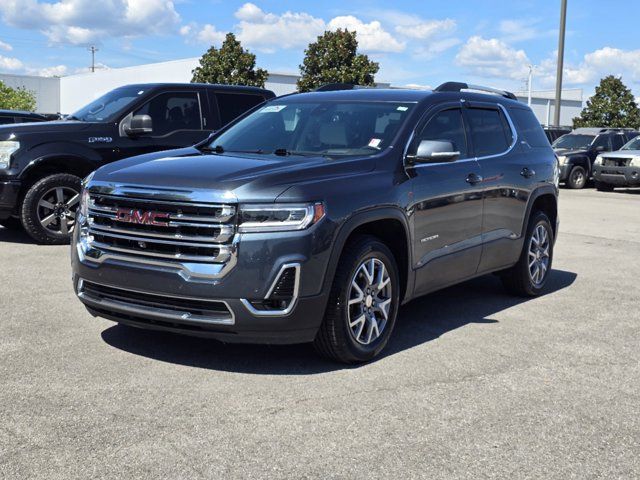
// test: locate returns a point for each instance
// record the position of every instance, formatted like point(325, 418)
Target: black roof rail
point(332, 87)
point(459, 86)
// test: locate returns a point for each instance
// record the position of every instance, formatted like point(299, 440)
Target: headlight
point(635, 162)
point(7, 148)
point(598, 160)
point(278, 217)
point(562, 159)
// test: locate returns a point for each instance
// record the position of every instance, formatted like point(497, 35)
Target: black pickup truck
point(42, 164)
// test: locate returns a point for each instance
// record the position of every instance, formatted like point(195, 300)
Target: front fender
point(82, 157)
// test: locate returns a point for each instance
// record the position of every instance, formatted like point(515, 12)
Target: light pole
point(563, 25)
point(529, 84)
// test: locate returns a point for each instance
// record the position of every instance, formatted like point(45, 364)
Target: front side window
point(446, 126)
point(109, 106)
point(603, 141)
point(6, 120)
point(172, 111)
point(632, 145)
point(316, 128)
point(490, 132)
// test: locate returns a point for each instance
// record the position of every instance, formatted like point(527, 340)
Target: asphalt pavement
point(474, 384)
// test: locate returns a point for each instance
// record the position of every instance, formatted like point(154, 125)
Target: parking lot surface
point(474, 383)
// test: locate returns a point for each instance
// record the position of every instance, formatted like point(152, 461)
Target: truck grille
point(615, 162)
point(168, 230)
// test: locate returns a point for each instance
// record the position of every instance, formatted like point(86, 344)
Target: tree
point(333, 58)
point(613, 105)
point(231, 65)
point(16, 98)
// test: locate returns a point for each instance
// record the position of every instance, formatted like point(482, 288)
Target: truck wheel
point(603, 187)
point(528, 277)
point(577, 178)
point(11, 223)
point(49, 208)
point(363, 303)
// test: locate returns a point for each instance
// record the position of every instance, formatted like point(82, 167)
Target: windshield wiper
point(221, 149)
point(72, 117)
point(283, 152)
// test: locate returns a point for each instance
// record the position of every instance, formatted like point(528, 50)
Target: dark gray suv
point(313, 217)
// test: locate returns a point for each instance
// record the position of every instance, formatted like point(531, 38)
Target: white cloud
point(372, 38)
point(10, 63)
point(493, 58)
point(606, 61)
point(5, 46)
point(84, 21)
point(415, 27)
point(209, 35)
point(55, 71)
point(268, 32)
point(434, 48)
point(519, 30)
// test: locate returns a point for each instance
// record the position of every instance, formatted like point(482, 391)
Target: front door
point(448, 206)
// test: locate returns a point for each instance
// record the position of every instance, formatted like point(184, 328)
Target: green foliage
point(333, 58)
point(16, 98)
point(229, 65)
point(613, 105)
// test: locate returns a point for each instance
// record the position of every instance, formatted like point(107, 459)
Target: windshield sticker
point(140, 92)
point(402, 109)
point(272, 108)
point(375, 142)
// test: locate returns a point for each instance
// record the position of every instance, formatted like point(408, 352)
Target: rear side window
point(617, 141)
point(232, 105)
point(603, 141)
point(489, 130)
point(6, 120)
point(529, 127)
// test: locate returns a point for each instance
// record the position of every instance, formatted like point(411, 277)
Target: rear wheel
point(528, 277)
point(603, 187)
point(577, 177)
point(363, 303)
point(49, 208)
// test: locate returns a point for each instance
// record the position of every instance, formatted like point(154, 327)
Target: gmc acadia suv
point(313, 217)
point(42, 164)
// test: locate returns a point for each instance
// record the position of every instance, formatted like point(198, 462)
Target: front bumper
point(259, 261)
point(617, 176)
point(9, 192)
point(564, 171)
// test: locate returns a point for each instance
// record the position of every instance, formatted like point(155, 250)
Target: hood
point(249, 177)
point(57, 126)
point(569, 151)
point(622, 154)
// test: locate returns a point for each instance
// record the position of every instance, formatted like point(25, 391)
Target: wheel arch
point(544, 199)
point(389, 225)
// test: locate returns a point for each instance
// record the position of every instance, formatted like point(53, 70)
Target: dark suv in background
point(314, 217)
point(578, 150)
point(41, 164)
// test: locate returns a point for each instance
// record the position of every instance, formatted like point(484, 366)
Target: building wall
point(46, 89)
point(543, 105)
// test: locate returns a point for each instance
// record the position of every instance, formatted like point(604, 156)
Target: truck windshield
point(632, 145)
point(107, 107)
point(315, 128)
point(573, 141)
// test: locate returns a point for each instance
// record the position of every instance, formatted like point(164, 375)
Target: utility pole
point(529, 84)
point(563, 25)
point(93, 51)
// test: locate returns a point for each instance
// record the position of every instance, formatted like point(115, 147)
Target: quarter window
point(446, 126)
point(171, 112)
point(490, 131)
point(529, 127)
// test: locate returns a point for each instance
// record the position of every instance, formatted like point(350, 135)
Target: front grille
point(615, 162)
point(160, 306)
point(187, 232)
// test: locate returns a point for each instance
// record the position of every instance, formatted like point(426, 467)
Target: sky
point(418, 42)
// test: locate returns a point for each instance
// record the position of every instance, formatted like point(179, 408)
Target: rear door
point(447, 218)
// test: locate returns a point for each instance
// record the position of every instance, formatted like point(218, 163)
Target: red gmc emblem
point(128, 215)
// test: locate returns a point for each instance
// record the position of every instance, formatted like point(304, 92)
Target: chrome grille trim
point(226, 232)
point(222, 257)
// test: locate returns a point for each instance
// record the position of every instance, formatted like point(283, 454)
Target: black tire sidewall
point(538, 219)
point(29, 210)
point(570, 182)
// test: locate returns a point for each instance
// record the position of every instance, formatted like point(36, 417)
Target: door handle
point(472, 178)
point(527, 172)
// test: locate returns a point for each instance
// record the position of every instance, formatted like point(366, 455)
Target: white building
point(67, 94)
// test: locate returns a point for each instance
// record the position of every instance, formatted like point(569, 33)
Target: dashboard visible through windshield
point(107, 107)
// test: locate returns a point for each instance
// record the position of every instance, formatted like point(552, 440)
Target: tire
point(519, 280)
point(577, 178)
point(43, 203)
point(603, 187)
point(336, 339)
point(11, 223)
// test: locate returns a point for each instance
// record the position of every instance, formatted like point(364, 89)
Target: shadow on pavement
point(420, 321)
point(14, 235)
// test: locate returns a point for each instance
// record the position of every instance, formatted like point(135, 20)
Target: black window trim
point(514, 131)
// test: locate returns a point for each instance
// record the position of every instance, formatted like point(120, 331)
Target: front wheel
point(49, 208)
point(528, 277)
point(577, 178)
point(363, 303)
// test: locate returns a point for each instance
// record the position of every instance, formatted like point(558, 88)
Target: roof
point(188, 85)
point(365, 94)
point(599, 130)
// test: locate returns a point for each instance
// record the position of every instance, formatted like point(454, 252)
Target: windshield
point(107, 107)
point(632, 145)
point(316, 128)
point(573, 142)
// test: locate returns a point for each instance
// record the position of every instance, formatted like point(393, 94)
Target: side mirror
point(433, 151)
point(601, 149)
point(139, 125)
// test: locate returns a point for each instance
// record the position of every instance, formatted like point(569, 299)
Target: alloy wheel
point(57, 209)
point(369, 304)
point(539, 254)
